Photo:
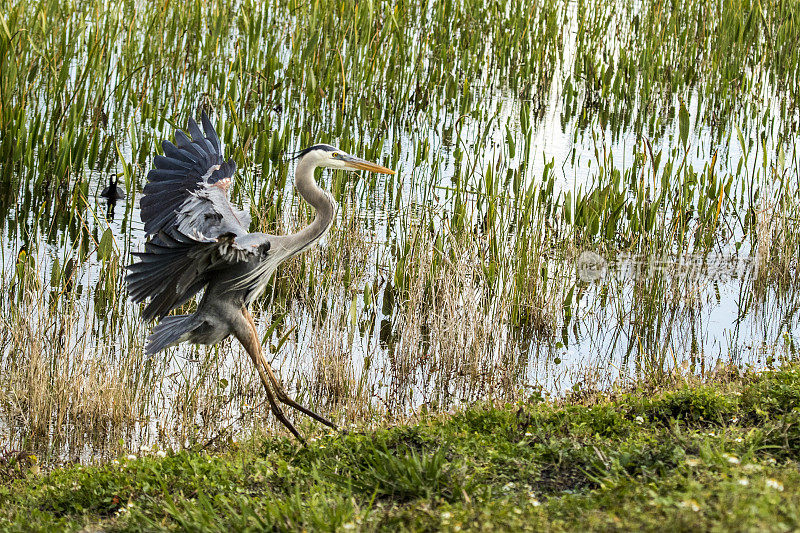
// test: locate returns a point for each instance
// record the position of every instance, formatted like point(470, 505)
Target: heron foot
point(285, 399)
point(278, 412)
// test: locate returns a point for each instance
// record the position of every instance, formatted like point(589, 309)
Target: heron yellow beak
point(357, 163)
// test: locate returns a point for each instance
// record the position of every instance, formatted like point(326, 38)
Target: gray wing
point(195, 232)
point(175, 266)
point(189, 184)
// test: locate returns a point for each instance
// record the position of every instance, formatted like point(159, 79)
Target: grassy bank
point(698, 456)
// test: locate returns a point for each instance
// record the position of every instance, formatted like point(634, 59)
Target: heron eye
point(336, 155)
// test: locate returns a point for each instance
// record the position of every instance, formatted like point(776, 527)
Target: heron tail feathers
point(170, 331)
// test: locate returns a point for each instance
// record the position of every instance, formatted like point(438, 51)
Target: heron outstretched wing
point(195, 232)
point(188, 187)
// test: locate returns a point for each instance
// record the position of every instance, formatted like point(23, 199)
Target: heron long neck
point(317, 198)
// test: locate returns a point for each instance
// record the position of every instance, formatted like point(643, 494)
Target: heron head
point(325, 155)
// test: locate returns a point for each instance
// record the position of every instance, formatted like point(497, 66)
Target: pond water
point(434, 289)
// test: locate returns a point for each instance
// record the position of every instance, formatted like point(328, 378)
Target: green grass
point(721, 455)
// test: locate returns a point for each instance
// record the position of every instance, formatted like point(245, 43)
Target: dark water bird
point(113, 191)
point(198, 240)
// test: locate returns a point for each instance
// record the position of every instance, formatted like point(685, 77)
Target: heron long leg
point(276, 409)
point(270, 381)
point(252, 346)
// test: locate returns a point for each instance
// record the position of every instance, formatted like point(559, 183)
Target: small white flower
point(517, 510)
point(711, 434)
point(734, 420)
point(732, 459)
point(130, 457)
point(446, 515)
point(640, 420)
point(690, 504)
point(691, 461)
point(349, 526)
point(533, 500)
point(528, 434)
point(744, 482)
point(752, 467)
point(161, 454)
point(774, 484)
point(116, 462)
point(739, 439)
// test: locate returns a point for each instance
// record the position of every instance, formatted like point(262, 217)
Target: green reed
point(452, 277)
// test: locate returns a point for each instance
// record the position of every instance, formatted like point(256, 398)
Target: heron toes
point(286, 400)
point(306, 411)
point(280, 415)
point(278, 412)
point(275, 391)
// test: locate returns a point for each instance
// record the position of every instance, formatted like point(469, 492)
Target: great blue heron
point(199, 241)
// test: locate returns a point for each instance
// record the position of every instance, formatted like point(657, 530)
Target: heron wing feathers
point(196, 235)
point(207, 212)
point(187, 168)
point(176, 265)
point(243, 217)
point(211, 134)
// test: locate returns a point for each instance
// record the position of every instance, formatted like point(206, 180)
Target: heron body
point(198, 240)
